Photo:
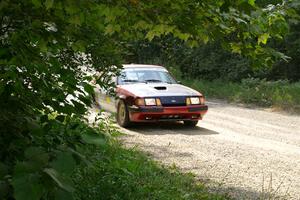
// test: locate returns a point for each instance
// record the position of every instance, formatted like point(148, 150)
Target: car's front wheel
point(190, 123)
point(123, 114)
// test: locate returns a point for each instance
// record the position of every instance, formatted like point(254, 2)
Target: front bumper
point(160, 113)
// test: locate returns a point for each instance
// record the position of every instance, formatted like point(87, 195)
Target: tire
point(190, 123)
point(123, 114)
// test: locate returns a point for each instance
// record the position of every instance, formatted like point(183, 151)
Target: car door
point(104, 98)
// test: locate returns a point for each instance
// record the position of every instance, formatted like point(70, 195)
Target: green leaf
point(3, 170)
point(150, 35)
point(79, 106)
point(60, 118)
point(236, 48)
point(64, 163)
point(4, 189)
point(71, 7)
point(62, 195)
point(88, 88)
point(37, 159)
point(59, 180)
point(36, 156)
point(112, 28)
point(43, 45)
point(49, 4)
point(76, 19)
point(92, 138)
point(263, 38)
point(37, 3)
point(251, 2)
point(79, 46)
point(27, 187)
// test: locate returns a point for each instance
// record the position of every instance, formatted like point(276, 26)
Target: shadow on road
point(163, 128)
point(168, 155)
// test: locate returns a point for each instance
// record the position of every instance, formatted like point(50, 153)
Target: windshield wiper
point(153, 80)
point(157, 81)
point(131, 80)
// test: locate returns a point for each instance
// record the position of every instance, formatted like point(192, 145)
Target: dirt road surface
point(246, 153)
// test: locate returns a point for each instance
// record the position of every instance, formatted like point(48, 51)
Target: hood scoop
point(161, 87)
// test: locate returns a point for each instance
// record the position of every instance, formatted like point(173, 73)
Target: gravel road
point(246, 153)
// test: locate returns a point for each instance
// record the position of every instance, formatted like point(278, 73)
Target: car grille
point(173, 101)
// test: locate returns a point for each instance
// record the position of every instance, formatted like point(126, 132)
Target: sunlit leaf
point(263, 38)
point(251, 2)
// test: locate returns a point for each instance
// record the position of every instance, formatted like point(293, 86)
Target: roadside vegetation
point(116, 172)
point(49, 52)
point(280, 95)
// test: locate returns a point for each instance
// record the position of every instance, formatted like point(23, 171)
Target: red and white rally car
point(149, 93)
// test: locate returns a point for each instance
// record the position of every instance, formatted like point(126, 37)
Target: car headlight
point(150, 101)
point(195, 100)
point(147, 102)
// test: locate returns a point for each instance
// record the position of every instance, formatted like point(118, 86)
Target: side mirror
point(179, 82)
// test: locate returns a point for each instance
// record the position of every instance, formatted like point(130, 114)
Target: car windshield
point(129, 76)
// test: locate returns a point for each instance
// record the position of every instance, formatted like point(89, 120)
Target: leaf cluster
point(40, 161)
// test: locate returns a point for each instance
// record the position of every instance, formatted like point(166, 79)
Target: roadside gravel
point(246, 153)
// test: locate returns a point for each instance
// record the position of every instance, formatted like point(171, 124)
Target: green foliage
point(49, 49)
point(211, 61)
point(118, 173)
point(291, 47)
point(277, 94)
point(208, 62)
point(39, 164)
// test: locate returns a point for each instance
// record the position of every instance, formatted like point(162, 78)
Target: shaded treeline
point(214, 60)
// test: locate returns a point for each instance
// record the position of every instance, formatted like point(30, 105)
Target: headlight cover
point(195, 100)
point(150, 101)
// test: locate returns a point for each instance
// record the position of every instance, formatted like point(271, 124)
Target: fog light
point(139, 102)
point(158, 102)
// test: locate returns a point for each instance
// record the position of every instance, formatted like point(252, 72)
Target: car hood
point(159, 89)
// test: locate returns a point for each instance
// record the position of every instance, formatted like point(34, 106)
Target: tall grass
point(278, 94)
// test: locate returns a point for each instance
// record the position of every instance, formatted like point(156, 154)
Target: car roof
point(126, 66)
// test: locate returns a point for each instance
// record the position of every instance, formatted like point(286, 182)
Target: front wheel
point(190, 123)
point(123, 114)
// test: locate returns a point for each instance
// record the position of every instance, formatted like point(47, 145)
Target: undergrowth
point(277, 94)
point(116, 172)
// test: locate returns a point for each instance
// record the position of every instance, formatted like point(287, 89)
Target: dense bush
point(278, 94)
point(39, 162)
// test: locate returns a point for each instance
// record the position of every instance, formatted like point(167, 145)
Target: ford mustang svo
point(148, 93)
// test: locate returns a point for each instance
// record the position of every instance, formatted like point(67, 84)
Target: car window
point(129, 76)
